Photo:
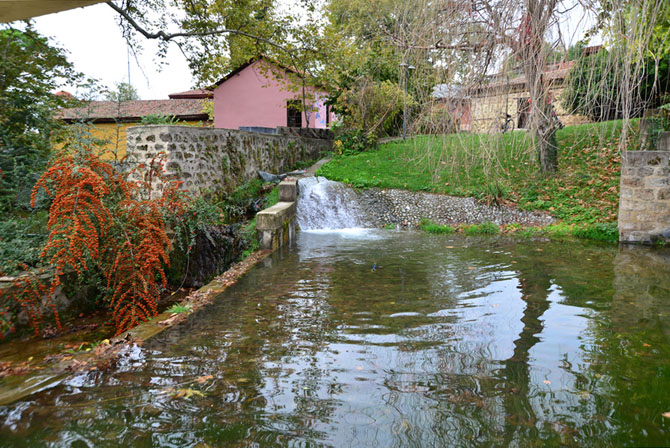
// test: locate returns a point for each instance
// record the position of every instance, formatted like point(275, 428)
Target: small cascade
point(328, 205)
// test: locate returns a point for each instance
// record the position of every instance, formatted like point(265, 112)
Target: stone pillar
point(644, 205)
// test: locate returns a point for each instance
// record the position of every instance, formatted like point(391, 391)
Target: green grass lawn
point(501, 168)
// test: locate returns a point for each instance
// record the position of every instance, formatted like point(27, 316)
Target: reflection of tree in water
point(520, 417)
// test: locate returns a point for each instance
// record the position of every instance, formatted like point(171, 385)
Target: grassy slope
point(585, 189)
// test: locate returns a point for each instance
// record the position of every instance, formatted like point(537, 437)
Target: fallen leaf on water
point(449, 247)
point(546, 382)
point(471, 267)
point(646, 345)
point(187, 393)
point(359, 368)
point(204, 379)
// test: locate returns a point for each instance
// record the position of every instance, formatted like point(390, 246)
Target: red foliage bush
point(102, 223)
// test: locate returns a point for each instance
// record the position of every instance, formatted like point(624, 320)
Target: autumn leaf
point(187, 393)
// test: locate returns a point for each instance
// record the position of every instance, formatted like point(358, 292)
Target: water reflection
point(449, 341)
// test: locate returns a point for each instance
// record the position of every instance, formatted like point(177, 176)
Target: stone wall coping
point(639, 158)
point(206, 130)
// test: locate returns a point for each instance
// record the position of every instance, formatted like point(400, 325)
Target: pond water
point(449, 341)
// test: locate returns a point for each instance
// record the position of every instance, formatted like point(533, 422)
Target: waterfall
point(328, 205)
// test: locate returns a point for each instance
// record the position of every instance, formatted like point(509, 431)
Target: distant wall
point(207, 159)
point(488, 109)
point(644, 206)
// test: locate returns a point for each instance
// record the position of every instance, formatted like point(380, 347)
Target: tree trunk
point(532, 52)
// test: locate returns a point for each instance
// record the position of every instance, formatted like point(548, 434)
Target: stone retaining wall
point(644, 207)
point(208, 159)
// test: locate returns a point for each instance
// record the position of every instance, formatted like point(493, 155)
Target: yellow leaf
point(204, 379)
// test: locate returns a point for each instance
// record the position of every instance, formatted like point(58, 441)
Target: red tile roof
point(197, 93)
point(128, 111)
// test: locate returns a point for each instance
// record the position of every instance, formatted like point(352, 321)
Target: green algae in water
point(450, 341)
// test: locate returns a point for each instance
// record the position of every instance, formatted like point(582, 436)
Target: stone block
point(288, 191)
point(645, 194)
point(645, 171)
point(632, 181)
point(655, 182)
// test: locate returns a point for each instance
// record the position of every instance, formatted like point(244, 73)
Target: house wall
point(207, 159)
point(257, 96)
point(488, 109)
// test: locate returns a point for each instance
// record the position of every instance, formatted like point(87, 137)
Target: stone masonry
point(644, 207)
point(208, 159)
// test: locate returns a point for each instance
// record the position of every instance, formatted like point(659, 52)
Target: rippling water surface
point(449, 341)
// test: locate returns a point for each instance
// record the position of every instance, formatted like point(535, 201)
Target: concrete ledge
point(288, 190)
point(275, 226)
point(273, 217)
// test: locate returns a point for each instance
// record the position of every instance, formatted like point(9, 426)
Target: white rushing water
point(328, 205)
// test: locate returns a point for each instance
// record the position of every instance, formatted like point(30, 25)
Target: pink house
point(264, 94)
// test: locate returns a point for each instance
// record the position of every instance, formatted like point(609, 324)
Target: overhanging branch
point(162, 35)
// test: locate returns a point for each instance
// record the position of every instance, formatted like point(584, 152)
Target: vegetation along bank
point(499, 173)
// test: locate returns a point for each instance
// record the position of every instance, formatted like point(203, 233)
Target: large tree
point(31, 70)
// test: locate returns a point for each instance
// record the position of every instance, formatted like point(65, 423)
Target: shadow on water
point(450, 340)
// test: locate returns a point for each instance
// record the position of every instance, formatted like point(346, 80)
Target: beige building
point(484, 108)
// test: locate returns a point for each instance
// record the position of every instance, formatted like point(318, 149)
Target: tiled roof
point(109, 111)
point(197, 93)
point(554, 72)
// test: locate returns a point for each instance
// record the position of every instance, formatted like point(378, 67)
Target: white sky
point(97, 49)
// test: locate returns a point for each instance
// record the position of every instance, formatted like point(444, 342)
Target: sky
point(97, 49)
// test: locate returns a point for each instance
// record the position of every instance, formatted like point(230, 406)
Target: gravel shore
point(406, 208)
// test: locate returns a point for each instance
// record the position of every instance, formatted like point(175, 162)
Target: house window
point(523, 110)
point(293, 114)
point(327, 115)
